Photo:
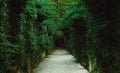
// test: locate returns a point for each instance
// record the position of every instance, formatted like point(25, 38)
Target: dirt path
point(60, 61)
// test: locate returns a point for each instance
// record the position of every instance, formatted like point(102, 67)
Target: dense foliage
point(24, 40)
point(29, 30)
point(93, 36)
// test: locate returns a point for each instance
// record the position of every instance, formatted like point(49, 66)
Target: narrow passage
point(60, 61)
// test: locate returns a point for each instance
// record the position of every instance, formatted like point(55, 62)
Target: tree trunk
point(28, 64)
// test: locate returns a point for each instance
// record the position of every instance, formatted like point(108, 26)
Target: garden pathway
point(60, 61)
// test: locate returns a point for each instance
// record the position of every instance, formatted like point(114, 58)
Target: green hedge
point(93, 35)
point(23, 43)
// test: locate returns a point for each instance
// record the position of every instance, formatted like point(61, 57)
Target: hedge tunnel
point(31, 29)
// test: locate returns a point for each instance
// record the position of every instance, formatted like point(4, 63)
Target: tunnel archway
point(59, 42)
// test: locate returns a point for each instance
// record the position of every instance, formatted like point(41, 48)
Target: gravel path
point(60, 61)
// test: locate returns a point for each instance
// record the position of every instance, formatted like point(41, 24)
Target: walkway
point(60, 61)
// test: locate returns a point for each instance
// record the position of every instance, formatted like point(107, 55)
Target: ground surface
point(60, 61)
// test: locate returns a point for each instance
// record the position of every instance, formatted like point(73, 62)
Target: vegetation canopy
point(31, 29)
